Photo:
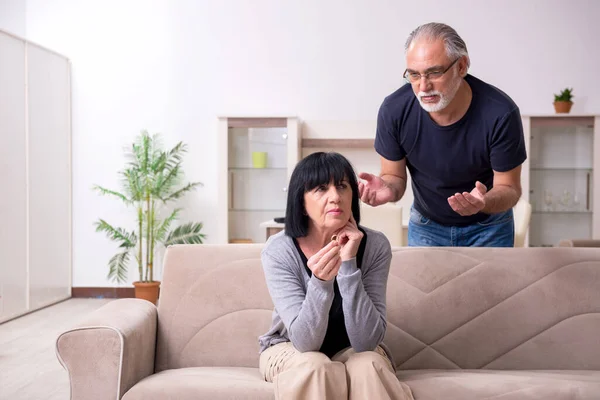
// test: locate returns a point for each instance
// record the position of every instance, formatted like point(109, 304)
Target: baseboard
point(103, 292)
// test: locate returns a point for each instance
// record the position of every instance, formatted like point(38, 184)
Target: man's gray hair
point(455, 45)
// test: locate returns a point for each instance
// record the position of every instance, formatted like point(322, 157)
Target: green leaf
point(128, 240)
point(564, 95)
point(166, 182)
point(108, 192)
point(133, 184)
point(162, 230)
point(175, 155)
point(179, 193)
point(117, 267)
point(186, 234)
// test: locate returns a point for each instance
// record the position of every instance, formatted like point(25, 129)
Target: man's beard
point(444, 98)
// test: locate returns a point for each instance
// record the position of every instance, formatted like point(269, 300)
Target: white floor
point(29, 369)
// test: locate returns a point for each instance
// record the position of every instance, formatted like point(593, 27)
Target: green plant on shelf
point(565, 95)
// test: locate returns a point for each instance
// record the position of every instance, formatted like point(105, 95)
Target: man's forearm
point(397, 184)
point(500, 198)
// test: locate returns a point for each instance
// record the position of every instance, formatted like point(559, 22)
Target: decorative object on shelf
point(565, 201)
point(238, 241)
point(577, 202)
point(548, 201)
point(562, 101)
point(150, 180)
point(259, 159)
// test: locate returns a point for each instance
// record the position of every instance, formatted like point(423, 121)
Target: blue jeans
point(498, 230)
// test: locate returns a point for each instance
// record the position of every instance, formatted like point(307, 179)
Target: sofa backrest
point(495, 308)
point(470, 308)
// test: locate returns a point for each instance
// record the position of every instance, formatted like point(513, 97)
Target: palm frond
point(117, 267)
point(175, 155)
point(165, 183)
point(156, 152)
point(163, 228)
point(186, 234)
point(159, 164)
point(132, 184)
point(143, 151)
point(127, 239)
point(179, 193)
point(108, 192)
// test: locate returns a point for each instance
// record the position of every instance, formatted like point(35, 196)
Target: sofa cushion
point(245, 383)
point(215, 383)
point(502, 385)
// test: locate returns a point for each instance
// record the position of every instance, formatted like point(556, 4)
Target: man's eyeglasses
point(433, 75)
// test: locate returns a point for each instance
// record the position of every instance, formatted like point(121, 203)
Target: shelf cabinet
point(559, 178)
point(259, 155)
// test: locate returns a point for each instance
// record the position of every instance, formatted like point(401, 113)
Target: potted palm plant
point(562, 101)
point(150, 181)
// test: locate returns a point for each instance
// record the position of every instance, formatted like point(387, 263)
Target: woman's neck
point(314, 241)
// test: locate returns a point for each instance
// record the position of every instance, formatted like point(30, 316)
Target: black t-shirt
point(336, 337)
point(444, 160)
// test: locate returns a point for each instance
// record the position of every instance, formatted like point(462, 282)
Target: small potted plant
point(562, 101)
point(151, 179)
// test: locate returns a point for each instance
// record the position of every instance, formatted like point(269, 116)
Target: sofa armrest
point(110, 351)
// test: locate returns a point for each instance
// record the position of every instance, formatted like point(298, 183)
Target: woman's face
point(329, 206)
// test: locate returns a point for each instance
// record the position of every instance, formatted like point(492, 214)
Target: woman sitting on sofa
point(327, 276)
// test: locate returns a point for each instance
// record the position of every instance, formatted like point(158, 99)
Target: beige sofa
point(579, 243)
point(464, 323)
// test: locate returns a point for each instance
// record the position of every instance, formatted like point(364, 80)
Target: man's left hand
point(469, 203)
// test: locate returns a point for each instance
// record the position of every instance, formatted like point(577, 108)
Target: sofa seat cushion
point(215, 383)
point(502, 385)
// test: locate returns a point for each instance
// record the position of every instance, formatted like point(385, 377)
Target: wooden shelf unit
point(338, 143)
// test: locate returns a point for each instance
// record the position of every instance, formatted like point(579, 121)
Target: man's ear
point(463, 66)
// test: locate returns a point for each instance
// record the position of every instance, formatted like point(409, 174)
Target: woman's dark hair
point(316, 169)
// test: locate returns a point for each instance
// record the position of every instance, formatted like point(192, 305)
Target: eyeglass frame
point(426, 75)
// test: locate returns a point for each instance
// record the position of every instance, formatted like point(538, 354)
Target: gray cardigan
point(302, 303)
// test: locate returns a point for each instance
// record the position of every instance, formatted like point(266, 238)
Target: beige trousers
point(347, 375)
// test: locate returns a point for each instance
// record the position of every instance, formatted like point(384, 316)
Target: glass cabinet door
point(257, 180)
point(561, 176)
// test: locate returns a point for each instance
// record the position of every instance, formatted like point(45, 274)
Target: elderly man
point(462, 141)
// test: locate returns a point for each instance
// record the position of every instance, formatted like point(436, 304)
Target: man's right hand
point(374, 191)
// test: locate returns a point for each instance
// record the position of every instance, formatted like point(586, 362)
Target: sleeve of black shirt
point(507, 146)
point(387, 138)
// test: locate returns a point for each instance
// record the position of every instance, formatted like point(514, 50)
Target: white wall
point(12, 17)
point(173, 66)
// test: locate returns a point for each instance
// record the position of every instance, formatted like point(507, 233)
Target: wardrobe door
point(13, 181)
point(49, 161)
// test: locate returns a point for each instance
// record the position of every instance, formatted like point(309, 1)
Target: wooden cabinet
point(560, 177)
point(258, 157)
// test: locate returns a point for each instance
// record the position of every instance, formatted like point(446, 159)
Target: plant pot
point(563, 107)
point(147, 291)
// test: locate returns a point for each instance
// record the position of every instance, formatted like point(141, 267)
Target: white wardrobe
point(35, 177)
